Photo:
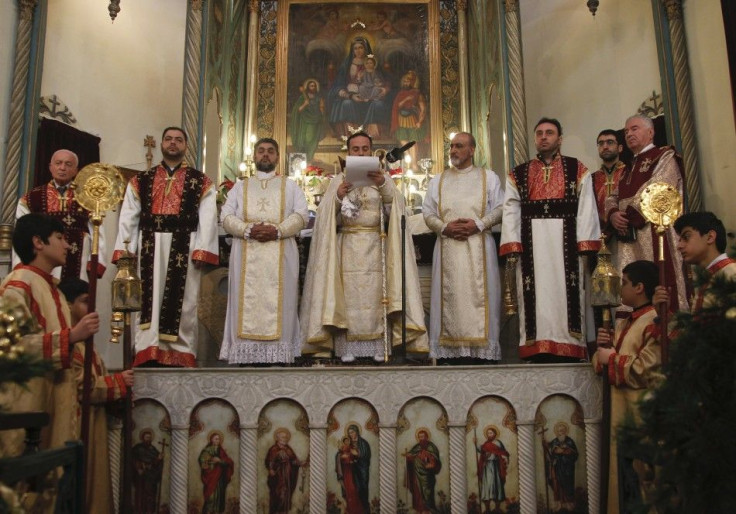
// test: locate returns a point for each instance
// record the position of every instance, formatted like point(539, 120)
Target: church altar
point(247, 407)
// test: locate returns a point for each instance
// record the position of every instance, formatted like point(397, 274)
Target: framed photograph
point(341, 66)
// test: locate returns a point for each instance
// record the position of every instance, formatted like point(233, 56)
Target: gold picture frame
point(319, 42)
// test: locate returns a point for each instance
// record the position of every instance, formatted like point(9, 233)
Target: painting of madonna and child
point(357, 65)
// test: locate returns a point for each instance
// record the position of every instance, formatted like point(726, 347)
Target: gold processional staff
point(98, 188)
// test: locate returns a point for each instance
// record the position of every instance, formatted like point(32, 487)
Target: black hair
point(186, 138)
point(356, 134)
point(553, 121)
point(609, 132)
point(643, 272)
point(33, 225)
point(703, 222)
point(73, 288)
point(266, 140)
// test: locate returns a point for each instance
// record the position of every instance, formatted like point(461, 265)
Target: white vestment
point(556, 333)
point(262, 323)
point(150, 344)
point(460, 194)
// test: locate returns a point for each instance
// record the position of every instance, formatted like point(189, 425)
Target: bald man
point(56, 199)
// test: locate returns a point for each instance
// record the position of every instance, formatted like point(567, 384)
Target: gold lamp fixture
point(127, 288)
point(606, 290)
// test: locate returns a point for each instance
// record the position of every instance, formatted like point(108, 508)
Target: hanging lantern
point(593, 6)
point(606, 290)
point(127, 289)
point(114, 9)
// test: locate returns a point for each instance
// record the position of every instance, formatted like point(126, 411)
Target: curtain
point(54, 135)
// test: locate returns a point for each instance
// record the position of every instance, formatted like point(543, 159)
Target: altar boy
point(630, 356)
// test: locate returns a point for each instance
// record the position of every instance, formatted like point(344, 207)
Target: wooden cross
point(149, 142)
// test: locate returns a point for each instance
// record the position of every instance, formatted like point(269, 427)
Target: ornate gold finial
point(511, 5)
point(673, 8)
point(26, 8)
point(606, 284)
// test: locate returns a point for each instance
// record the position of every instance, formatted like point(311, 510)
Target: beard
point(266, 167)
point(172, 154)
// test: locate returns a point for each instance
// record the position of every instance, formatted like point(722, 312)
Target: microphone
point(397, 153)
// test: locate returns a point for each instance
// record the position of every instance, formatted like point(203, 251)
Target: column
point(462, 45)
point(458, 474)
point(317, 468)
point(179, 473)
point(248, 468)
point(593, 463)
point(387, 467)
point(516, 82)
point(684, 102)
point(192, 62)
point(251, 69)
point(527, 470)
point(18, 98)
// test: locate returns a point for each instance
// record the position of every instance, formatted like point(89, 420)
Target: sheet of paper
point(357, 168)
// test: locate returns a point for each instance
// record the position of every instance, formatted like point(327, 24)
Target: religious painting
point(344, 66)
point(214, 450)
point(352, 458)
point(492, 457)
point(559, 445)
point(151, 438)
point(423, 444)
point(283, 458)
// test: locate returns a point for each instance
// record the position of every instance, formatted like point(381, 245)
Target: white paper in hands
point(357, 168)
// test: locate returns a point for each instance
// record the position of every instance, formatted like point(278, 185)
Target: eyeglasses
point(608, 142)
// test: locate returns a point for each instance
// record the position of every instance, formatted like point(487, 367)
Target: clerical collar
point(263, 175)
point(465, 170)
point(611, 169)
point(645, 149)
point(171, 170)
point(555, 156)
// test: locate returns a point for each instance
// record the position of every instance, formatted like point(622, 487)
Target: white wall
point(8, 26)
point(589, 72)
point(714, 115)
point(122, 81)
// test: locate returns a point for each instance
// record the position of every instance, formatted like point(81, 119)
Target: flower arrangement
point(223, 189)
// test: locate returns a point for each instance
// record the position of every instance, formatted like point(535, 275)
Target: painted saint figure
point(308, 119)
point(283, 471)
point(148, 466)
point(217, 471)
point(493, 462)
point(560, 456)
point(422, 466)
point(352, 465)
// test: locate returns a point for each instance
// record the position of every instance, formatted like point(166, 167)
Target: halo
point(282, 430)
point(352, 424)
point(216, 432)
point(144, 432)
point(422, 429)
point(562, 424)
point(491, 427)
